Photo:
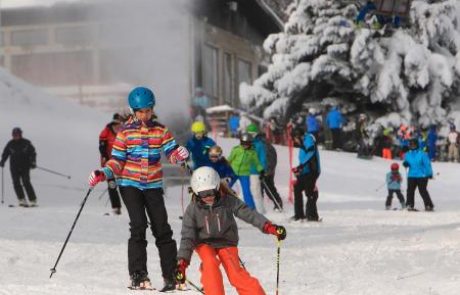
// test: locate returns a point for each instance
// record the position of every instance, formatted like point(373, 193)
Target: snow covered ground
point(358, 248)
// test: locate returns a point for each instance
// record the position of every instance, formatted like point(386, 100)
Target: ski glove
point(277, 230)
point(95, 177)
point(262, 174)
point(296, 170)
point(2, 164)
point(180, 271)
point(406, 164)
point(33, 165)
point(179, 155)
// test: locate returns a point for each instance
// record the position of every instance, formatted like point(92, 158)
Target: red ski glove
point(180, 271)
point(277, 230)
point(296, 170)
point(179, 155)
point(95, 177)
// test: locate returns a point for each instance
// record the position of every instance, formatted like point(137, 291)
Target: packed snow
point(358, 248)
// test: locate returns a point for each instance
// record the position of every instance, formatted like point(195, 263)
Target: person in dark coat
point(269, 177)
point(106, 139)
point(22, 158)
point(432, 138)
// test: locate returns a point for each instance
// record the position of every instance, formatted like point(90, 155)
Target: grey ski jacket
point(216, 225)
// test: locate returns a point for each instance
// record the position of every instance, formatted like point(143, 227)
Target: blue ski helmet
point(141, 98)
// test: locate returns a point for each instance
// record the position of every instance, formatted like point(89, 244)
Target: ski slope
point(359, 248)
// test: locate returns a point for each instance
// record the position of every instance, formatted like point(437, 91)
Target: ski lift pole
point(53, 270)
point(53, 172)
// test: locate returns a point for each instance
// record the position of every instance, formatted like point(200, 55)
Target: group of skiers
point(419, 172)
point(209, 227)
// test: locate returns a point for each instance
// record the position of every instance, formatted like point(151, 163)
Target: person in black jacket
point(22, 159)
point(269, 178)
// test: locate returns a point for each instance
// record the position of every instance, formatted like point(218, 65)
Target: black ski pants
point(22, 175)
point(138, 203)
point(270, 189)
point(113, 194)
point(421, 184)
point(307, 183)
point(336, 138)
point(398, 194)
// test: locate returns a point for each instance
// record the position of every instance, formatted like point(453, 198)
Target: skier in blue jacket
point(312, 123)
point(419, 172)
point(307, 173)
point(199, 145)
point(334, 121)
point(219, 163)
point(431, 140)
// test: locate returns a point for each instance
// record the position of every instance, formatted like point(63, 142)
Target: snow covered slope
point(358, 248)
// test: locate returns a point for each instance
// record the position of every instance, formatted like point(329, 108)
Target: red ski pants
point(211, 276)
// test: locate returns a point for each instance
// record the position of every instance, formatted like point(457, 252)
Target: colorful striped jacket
point(136, 154)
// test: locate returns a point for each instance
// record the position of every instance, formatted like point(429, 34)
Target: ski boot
point(429, 208)
point(116, 211)
point(23, 203)
point(411, 208)
point(33, 203)
point(387, 207)
point(170, 285)
point(140, 281)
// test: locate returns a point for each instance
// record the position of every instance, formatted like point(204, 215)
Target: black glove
point(406, 164)
point(262, 174)
point(430, 176)
point(2, 164)
point(33, 165)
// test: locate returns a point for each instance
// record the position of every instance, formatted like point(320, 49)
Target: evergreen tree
point(412, 74)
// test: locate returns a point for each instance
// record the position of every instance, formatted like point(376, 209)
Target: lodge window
point(74, 36)
point(244, 72)
point(228, 79)
point(210, 70)
point(29, 37)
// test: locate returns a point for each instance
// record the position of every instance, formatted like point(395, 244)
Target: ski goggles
point(215, 157)
point(207, 193)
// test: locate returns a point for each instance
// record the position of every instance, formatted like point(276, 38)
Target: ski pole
point(3, 190)
point(53, 172)
point(380, 187)
point(194, 286)
point(271, 195)
point(102, 194)
point(53, 270)
point(278, 250)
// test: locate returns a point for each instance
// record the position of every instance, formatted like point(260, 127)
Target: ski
point(140, 289)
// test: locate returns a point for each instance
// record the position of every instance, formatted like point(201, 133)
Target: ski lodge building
point(96, 53)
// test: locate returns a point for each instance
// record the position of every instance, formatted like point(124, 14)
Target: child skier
point(242, 158)
point(393, 180)
point(136, 164)
point(209, 227)
point(221, 165)
point(199, 145)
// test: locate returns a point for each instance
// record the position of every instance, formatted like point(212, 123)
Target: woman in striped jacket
point(135, 163)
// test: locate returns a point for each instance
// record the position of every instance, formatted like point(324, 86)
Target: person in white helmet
point(209, 228)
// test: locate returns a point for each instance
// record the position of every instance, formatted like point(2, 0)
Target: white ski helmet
point(204, 179)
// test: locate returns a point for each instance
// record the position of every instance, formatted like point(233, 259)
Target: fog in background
point(152, 41)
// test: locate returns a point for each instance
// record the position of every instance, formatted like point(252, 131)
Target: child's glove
point(406, 164)
point(180, 271)
point(277, 230)
point(296, 170)
point(95, 177)
point(179, 155)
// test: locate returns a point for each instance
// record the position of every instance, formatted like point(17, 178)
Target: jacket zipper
point(207, 223)
point(218, 221)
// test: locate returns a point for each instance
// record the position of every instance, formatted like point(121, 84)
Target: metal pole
point(278, 250)
point(53, 270)
point(3, 187)
point(271, 194)
point(53, 172)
